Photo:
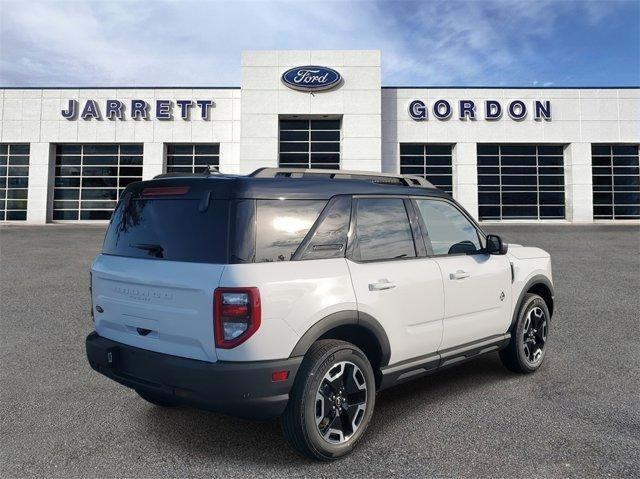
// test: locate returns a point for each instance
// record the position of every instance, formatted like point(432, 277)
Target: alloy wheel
point(534, 334)
point(341, 402)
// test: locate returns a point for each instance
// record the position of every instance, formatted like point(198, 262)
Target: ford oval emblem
point(311, 78)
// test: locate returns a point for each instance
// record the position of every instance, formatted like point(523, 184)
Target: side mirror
point(495, 245)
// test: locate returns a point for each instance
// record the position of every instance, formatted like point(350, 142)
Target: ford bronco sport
point(302, 293)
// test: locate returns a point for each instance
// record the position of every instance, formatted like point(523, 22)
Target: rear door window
point(383, 231)
point(282, 225)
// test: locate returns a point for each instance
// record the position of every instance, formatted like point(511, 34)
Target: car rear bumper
point(242, 389)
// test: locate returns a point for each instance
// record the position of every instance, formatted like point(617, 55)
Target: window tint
point(282, 225)
point(448, 229)
point(168, 229)
point(330, 238)
point(383, 230)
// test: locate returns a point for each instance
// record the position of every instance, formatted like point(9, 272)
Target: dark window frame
point(94, 153)
point(490, 166)
point(10, 152)
point(310, 143)
point(615, 172)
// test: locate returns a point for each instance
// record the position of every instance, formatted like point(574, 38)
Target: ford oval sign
point(311, 78)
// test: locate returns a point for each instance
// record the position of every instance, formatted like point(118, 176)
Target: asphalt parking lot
point(578, 416)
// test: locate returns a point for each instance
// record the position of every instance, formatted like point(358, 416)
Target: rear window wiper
point(153, 249)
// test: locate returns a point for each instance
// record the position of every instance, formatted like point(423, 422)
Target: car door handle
point(381, 285)
point(459, 275)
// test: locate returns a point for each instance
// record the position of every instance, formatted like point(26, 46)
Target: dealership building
point(506, 154)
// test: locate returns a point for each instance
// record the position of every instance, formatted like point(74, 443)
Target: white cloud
point(193, 43)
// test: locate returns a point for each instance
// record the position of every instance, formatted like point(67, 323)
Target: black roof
point(230, 186)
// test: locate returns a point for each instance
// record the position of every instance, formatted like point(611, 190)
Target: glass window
point(282, 225)
point(330, 238)
point(513, 182)
point(167, 229)
point(616, 181)
point(242, 231)
point(449, 231)
point(382, 230)
point(99, 175)
point(192, 158)
point(310, 144)
point(14, 182)
point(432, 162)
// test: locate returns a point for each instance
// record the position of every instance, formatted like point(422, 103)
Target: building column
point(578, 183)
point(465, 176)
point(41, 179)
point(154, 159)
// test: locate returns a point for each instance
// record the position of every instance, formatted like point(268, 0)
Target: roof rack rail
point(374, 177)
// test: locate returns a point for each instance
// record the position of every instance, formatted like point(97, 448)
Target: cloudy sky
point(198, 43)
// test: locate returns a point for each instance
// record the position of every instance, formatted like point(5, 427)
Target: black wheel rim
point(534, 335)
point(341, 402)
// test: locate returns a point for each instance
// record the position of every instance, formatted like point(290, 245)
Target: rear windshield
point(170, 229)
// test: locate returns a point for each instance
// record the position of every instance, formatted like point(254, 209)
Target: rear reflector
point(166, 191)
point(278, 376)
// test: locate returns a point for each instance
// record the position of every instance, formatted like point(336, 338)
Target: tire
point(331, 379)
point(529, 335)
point(156, 400)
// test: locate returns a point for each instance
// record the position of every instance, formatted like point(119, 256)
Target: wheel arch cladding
point(355, 327)
point(545, 292)
point(539, 285)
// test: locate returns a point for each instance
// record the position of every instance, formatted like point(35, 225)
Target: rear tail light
point(236, 315)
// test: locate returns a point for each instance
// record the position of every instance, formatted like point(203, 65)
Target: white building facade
point(506, 154)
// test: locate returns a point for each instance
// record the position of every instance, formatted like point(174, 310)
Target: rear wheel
point(527, 347)
point(331, 402)
point(156, 400)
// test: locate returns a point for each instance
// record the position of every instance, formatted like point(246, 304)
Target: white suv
point(302, 294)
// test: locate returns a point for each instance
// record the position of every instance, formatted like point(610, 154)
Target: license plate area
point(140, 365)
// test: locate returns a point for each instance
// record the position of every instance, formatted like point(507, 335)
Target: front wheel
point(529, 335)
point(331, 402)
